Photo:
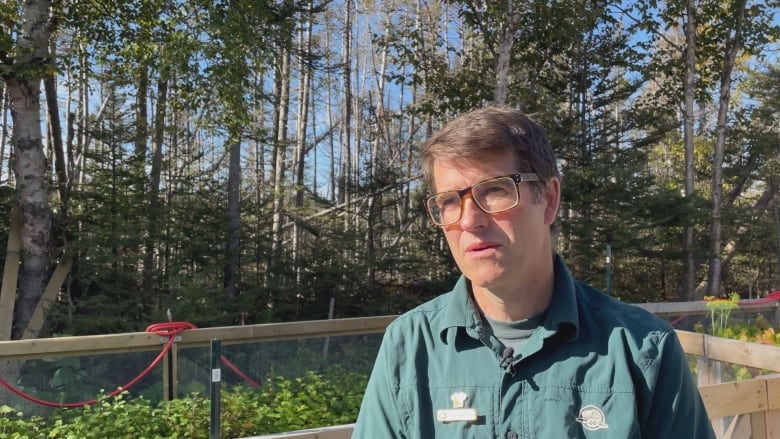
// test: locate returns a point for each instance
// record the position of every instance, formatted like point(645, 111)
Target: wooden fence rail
point(738, 409)
point(148, 341)
point(744, 409)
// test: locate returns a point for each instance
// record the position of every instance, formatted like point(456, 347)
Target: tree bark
point(329, 118)
point(232, 249)
point(30, 161)
point(505, 44)
point(153, 214)
point(306, 71)
point(733, 46)
point(55, 128)
point(4, 133)
point(346, 113)
point(688, 286)
point(282, 97)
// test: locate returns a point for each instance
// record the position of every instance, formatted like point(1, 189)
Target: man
point(519, 349)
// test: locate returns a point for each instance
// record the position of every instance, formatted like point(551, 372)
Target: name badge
point(458, 412)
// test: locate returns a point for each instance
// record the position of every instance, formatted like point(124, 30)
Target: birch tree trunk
point(232, 246)
point(55, 129)
point(688, 285)
point(346, 111)
point(381, 137)
point(332, 166)
point(259, 185)
point(732, 47)
point(23, 80)
point(505, 44)
point(153, 215)
point(282, 97)
point(306, 69)
point(4, 133)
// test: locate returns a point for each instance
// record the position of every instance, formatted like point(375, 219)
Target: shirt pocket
point(565, 411)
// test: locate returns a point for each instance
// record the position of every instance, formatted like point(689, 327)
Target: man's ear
point(552, 198)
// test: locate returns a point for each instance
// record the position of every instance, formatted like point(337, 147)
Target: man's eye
point(448, 202)
point(494, 191)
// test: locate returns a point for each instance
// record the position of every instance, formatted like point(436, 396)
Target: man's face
point(499, 251)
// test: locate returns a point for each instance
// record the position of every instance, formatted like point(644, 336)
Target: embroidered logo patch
point(459, 400)
point(592, 418)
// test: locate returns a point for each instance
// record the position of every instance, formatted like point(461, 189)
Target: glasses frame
point(517, 178)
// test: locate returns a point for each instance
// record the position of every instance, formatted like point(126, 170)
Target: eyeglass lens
point(491, 196)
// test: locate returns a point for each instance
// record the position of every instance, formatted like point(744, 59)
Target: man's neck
point(523, 302)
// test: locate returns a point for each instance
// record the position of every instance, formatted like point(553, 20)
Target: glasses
point(492, 196)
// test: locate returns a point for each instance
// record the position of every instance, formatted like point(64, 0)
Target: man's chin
point(484, 280)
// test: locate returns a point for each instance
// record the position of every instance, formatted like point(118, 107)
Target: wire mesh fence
point(40, 375)
point(178, 368)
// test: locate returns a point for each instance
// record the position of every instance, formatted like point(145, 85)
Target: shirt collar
point(562, 315)
point(461, 312)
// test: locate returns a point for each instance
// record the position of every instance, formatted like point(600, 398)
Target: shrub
point(314, 400)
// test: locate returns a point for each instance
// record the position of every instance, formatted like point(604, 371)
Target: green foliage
point(607, 89)
point(9, 15)
point(14, 425)
point(313, 400)
point(758, 330)
point(720, 310)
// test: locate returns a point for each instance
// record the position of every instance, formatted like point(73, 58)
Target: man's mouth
point(480, 246)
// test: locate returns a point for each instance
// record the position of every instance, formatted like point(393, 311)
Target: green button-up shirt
point(596, 368)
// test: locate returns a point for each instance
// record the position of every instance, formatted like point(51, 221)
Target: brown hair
point(478, 133)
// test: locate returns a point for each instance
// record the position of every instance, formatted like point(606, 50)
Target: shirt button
point(511, 435)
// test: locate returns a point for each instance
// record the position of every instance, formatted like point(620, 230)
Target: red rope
point(167, 329)
point(238, 372)
point(174, 328)
point(170, 330)
point(771, 297)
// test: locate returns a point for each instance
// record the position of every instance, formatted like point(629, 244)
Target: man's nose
point(471, 216)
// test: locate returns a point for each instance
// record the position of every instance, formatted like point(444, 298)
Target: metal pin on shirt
point(459, 413)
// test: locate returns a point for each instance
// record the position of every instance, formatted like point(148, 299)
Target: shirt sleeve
point(380, 416)
point(674, 407)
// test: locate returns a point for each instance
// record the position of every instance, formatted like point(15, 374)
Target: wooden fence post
point(10, 276)
point(772, 415)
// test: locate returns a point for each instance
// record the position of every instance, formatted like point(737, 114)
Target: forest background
point(232, 162)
